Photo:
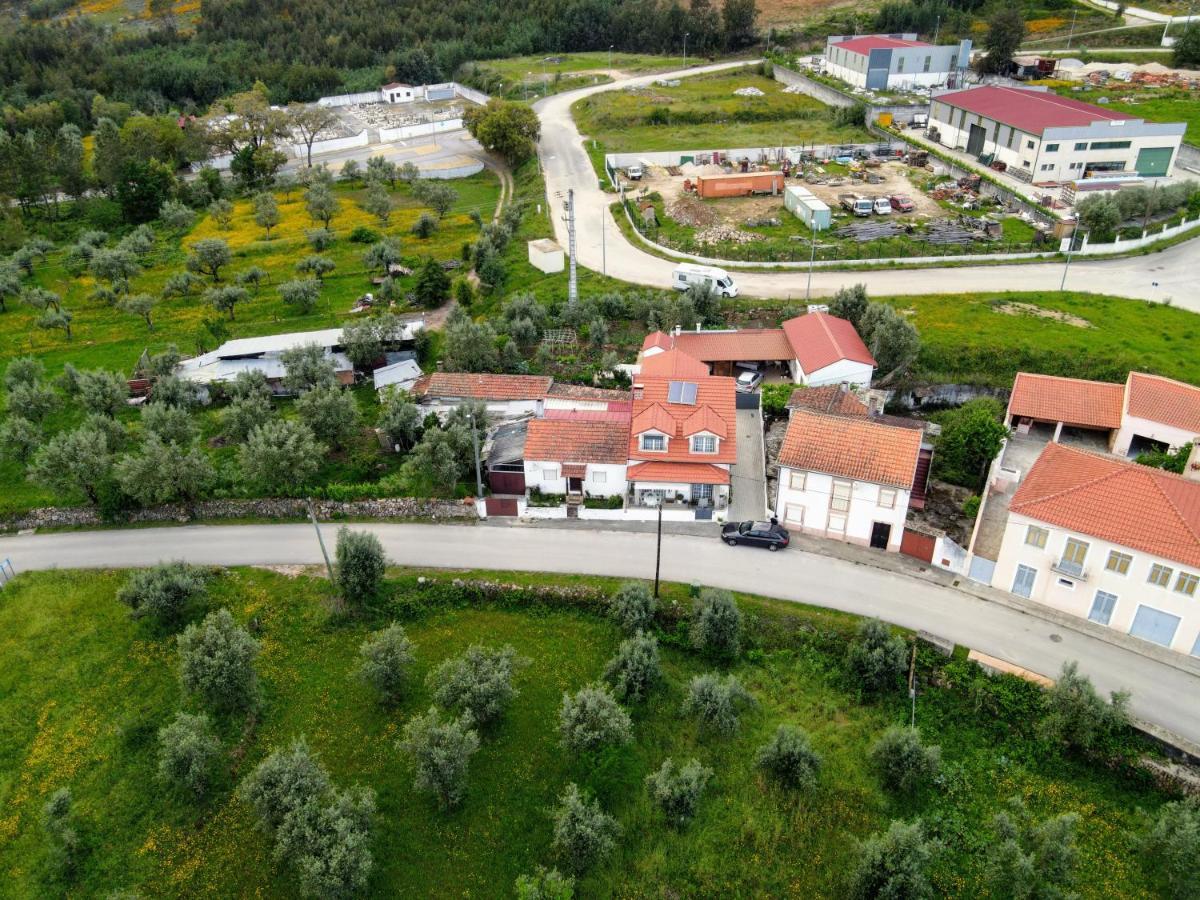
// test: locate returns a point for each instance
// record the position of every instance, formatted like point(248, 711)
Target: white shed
point(546, 256)
point(807, 207)
point(396, 92)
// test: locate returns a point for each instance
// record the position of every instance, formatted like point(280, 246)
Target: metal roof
point(1029, 110)
point(277, 343)
point(404, 372)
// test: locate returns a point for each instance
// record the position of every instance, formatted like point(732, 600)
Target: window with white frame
point(704, 443)
point(549, 473)
point(1186, 583)
point(1036, 537)
point(599, 476)
point(654, 443)
point(1046, 167)
point(887, 498)
point(1118, 562)
point(837, 524)
point(797, 480)
point(1160, 575)
point(1050, 148)
point(793, 514)
point(839, 500)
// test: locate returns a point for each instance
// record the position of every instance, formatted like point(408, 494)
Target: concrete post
point(1057, 432)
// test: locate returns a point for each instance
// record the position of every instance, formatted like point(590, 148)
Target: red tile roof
point(705, 419)
point(659, 339)
point(1114, 500)
point(865, 44)
point(652, 410)
point(851, 447)
point(1072, 401)
point(752, 344)
point(587, 392)
point(819, 340)
point(1163, 400)
point(478, 386)
point(1032, 111)
point(679, 473)
point(568, 440)
point(589, 415)
point(673, 362)
point(828, 399)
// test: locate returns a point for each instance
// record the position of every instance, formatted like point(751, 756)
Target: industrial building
point(1042, 137)
point(881, 62)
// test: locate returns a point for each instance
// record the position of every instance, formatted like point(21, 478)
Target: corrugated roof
point(1072, 401)
point(483, 386)
point(865, 44)
point(677, 473)
point(571, 440)
point(752, 344)
point(652, 410)
point(1031, 111)
point(1163, 400)
point(404, 372)
point(277, 343)
point(819, 340)
point(828, 399)
point(851, 447)
point(1114, 500)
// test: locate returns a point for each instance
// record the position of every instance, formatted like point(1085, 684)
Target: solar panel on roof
point(681, 392)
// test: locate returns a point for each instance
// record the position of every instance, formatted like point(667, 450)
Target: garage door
point(1152, 624)
point(1153, 161)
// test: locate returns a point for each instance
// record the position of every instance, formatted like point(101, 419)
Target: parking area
point(748, 478)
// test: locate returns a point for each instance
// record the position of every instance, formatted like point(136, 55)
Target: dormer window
point(704, 443)
point(654, 443)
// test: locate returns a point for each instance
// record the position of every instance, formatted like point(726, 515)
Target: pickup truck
point(860, 206)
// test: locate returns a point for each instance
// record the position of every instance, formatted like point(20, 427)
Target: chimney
point(678, 330)
point(698, 327)
point(1191, 469)
point(845, 387)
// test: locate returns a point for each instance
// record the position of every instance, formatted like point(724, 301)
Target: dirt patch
point(689, 211)
point(1029, 309)
point(943, 511)
point(296, 571)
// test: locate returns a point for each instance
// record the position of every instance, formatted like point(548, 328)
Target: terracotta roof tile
point(819, 340)
point(678, 472)
point(659, 339)
point(569, 440)
point(653, 410)
point(1163, 400)
point(751, 344)
point(851, 447)
point(868, 42)
point(830, 398)
point(482, 386)
point(672, 362)
point(1072, 401)
point(1114, 500)
point(587, 392)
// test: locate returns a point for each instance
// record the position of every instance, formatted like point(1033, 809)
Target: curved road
point(1169, 275)
point(1162, 694)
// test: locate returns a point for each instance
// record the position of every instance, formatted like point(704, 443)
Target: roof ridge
point(1154, 476)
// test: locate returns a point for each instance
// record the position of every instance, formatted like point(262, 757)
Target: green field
point(85, 689)
point(1154, 105)
point(531, 77)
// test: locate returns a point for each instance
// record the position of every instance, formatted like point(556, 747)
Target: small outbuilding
point(807, 207)
point(402, 375)
point(397, 92)
point(546, 256)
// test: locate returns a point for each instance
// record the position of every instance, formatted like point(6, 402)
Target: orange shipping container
point(739, 184)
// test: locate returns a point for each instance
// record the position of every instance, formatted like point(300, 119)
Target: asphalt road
point(1162, 694)
point(601, 246)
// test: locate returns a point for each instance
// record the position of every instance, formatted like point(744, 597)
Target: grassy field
point(85, 690)
point(521, 77)
point(1154, 105)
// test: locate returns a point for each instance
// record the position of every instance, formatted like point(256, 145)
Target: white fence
point(331, 145)
point(404, 132)
point(632, 514)
point(1120, 246)
point(421, 92)
point(471, 94)
point(350, 99)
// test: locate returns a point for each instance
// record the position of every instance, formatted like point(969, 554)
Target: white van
point(634, 172)
point(718, 279)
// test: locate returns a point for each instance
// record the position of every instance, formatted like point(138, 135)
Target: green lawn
point(84, 690)
point(520, 77)
point(1154, 105)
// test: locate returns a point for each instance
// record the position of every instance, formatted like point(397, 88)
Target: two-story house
point(1110, 540)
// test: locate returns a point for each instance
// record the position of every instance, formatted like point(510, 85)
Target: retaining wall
point(830, 96)
point(1120, 246)
point(409, 131)
point(332, 145)
point(350, 99)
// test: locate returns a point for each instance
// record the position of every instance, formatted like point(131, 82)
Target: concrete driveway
point(748, 478)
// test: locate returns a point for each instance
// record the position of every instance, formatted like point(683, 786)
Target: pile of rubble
point(690, 211)
point(726, 234)
point(748, 92)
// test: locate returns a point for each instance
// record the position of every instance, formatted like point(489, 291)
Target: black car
point(771, 534)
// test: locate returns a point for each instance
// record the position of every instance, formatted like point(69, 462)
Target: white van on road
point(719, 280)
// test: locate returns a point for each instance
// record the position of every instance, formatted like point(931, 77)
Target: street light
point(685, 37)
point(475, 449)
point(545, 83)
point(658, 501)
point(610, 49)
point(1067, 267)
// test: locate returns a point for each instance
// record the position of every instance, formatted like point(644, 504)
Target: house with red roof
point(1042, 137)
point(1109, 540)
point(881, 62)
point(578, 457)
point(813, 350)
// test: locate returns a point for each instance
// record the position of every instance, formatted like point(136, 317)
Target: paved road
point(602, 247)
point(747, 480)
point(1162, 694)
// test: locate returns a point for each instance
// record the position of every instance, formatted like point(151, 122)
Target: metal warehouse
point(1040, 136)
point(881, 62)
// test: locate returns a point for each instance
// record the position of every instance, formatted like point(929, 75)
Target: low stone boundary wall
point(273, 508)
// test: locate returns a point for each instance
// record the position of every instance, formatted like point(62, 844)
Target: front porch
point(677, 496)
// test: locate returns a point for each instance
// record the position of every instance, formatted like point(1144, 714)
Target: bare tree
point(309, 121)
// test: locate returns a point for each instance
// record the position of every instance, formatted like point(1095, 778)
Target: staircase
point(574, 501)
point(920, 487)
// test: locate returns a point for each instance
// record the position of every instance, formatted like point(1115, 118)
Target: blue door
point(1102, 607)
point(1152, 624)
point(1023, 581)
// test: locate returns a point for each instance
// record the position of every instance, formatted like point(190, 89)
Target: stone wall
point(271, 508)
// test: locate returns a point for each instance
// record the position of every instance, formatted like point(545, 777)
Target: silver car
point(748, 382)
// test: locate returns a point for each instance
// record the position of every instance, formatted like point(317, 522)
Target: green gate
point(1153, 161)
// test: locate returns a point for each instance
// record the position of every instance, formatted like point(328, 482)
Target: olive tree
point(142, 306)
point(876, 658)
point(19, 438)
point(208, 257)
point(1078, 718)
point(377, 202)
point(545, 884)
point(187, 749)
point(307, 366)
point(477, 681)
point(592, 719)
point(280, 455)
point(789, 758)
point(316, 265)
point(894, 864)
point(716, 626)
point(23, 371)
point(172, 424)
point(1029, 859)
point(302, 294)
point(904, 763)
point(78, 460)
point(716, 702)
point(400, 419)
point(266, 212)
point(162, 592)
point(31, 401)
point(283, 782)
point(321, 204)
point(360, 566)
point(1172, 846)
point(633, 607)
point(385, 660)
point(102, 392)
point(216, 662)
point(636, 668)
point(677, 789)
point(584, 834)
point(244, 415)
point(440, 751)
point(62, 834)
point(226, 298)
point(330, 413)
point(165, 473)
point(382, 256)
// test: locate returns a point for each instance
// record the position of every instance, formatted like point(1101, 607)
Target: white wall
point(603, 479)
point(842, 370)
point(807, 510)
point(425, 128)
point(497, 410)
point(350, 99)
point(333, 144)
point(1132, 589)
point(1133, 425)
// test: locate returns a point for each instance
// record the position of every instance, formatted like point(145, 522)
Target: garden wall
point(331, 145)
point(409, 131)
point(1120, 246)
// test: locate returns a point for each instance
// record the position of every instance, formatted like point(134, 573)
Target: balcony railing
point(1072, 569)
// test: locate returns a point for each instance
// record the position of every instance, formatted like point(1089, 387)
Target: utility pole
point(685, 37)
point(912, 686)
point(603, 242)
point(1071, 33)
point(569, 218)
point(545, 83)
point(937, 28)
point(610, 49)
point(658, 552)
point(812, 258)
point(475, 449)
point(1067, 267)
point(312, 515)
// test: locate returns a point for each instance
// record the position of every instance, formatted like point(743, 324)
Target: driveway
point(1162, 694)
point(748, 480)
point(1169, 275)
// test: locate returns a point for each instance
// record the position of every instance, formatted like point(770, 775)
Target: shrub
point(592, 719)
point(894, 864)
point(363, 235)
point(875, 659)
point(1079, 719)
point(583, 833)
point(1172, 846)
point(24, 370)
point(162, 592)
point(19, 438)
point(58, 822)
point(283, 783)
point(545, 884)
point(633, 607)
point(478, 682)
point(789, 758)
point(775, 398)
point(217, 662)
point(102, 392)
point(441, 752)
point(187, 749)
point(172, 424)
point(243, 415)
point(31, 401)
point(425, 225)
point(279, 455)
point(716, 702)
point(636, 668)
point(331, 414)
point(904, 763)
point(386, 657)
point(716, 628)
point(677, 791)
point(1031, 859)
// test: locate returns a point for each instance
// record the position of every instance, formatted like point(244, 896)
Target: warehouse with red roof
point(1042, 137)
point(881, 62)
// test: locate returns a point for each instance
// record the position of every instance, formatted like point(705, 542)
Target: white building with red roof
point(577, 457)
point(1110, 540)
point(1042, 137)
point(881, 62)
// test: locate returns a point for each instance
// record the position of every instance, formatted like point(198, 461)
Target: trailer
point(739, 184)
point(807, 207)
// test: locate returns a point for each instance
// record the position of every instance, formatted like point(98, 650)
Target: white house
point(397, 92)
point(505, 396)
point(1157, 412)
point(827, 350)
point(402, 375)
point(849, 478)
point(894, 61)
point(576, 457)
point(1110, 540)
